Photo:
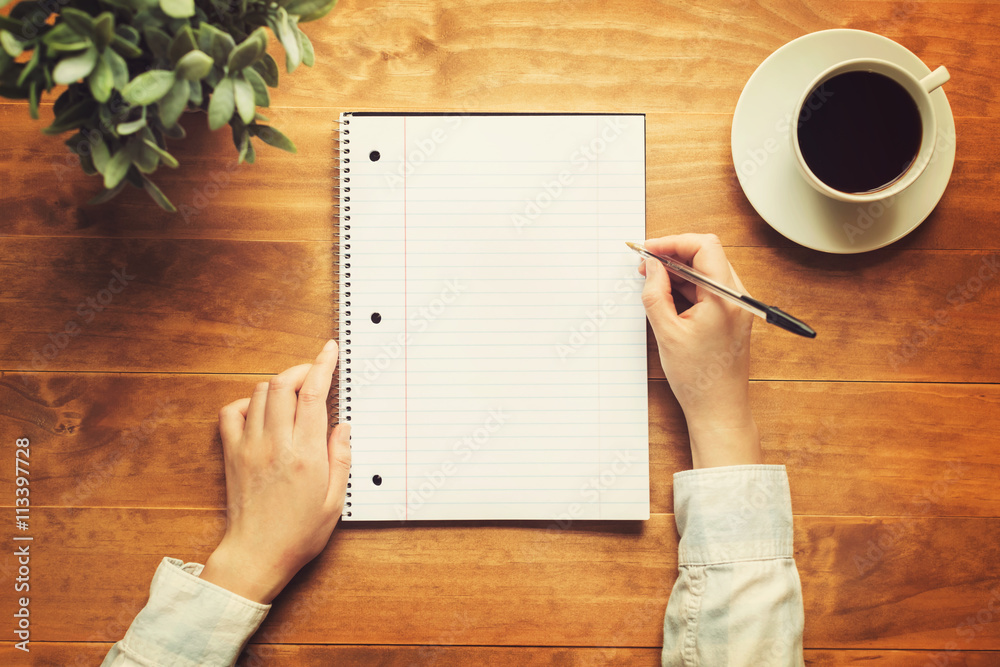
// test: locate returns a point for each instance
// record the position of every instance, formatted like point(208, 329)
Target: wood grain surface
point(887, 421)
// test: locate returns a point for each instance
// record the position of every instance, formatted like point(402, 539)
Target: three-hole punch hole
point(377, 480)
point(376, 318)
point(374, 156)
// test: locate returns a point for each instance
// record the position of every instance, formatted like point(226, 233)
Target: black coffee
point(859, 131)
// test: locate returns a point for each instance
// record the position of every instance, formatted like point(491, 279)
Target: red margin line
point(406, 448)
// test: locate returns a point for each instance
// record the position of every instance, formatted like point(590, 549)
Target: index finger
point(703, 252)
point(311, 419)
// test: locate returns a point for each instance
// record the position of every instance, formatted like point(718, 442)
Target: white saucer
point(765, 164)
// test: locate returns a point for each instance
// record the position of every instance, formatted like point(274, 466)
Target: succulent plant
point(131, 68)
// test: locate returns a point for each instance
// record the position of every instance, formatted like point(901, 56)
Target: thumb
point(340, 465)
point(657, 298)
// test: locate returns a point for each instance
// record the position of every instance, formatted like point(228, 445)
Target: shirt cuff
point(189, 621)
point(733, 513)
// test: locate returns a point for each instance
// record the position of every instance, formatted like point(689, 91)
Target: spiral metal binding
point(344, 210)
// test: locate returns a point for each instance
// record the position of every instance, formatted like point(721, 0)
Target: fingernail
point(329, 345)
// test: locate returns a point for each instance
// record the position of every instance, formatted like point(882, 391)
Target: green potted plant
point(132, 67)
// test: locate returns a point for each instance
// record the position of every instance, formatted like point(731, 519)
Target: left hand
point(286, 480)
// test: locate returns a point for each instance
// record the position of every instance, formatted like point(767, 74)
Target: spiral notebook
point(492, 334)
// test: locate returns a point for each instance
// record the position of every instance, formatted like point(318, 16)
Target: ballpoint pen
point(773, 315)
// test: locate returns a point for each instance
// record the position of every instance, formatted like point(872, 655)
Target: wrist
point(726, 442)
point(242, 577)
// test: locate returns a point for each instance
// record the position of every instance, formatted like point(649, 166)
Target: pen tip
point(633, 246)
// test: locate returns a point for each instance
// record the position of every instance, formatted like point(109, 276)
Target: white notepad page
point(494, 355)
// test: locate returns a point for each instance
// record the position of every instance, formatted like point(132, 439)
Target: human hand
point(704, 351)
point(286, 480)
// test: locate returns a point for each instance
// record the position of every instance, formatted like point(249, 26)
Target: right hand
point(704, 351)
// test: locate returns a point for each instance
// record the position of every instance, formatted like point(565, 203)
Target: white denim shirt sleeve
point(737, 599)
point(187, 622)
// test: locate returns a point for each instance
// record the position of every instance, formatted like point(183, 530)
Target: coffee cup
point(865, 129)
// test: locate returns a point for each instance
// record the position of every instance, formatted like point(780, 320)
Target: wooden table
point(887, 422)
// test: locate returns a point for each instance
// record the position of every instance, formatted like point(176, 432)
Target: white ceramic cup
point(918, 89)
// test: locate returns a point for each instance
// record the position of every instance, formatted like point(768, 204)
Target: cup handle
point(935, 79)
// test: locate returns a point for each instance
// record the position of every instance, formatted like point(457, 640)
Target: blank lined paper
point(494, 355)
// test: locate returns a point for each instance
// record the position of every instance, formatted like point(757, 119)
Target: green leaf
point(144, 159)
point(182, 43)
point(197, 95)
point(76, 67)
point(128, 33)
point(62, 38)
point(101, 81)
point(87, 164)
point(307, 10)
point(104, 30)
point(194, 65)
point(260, 95)
point(273, 137)
point(100, 155)
point(11, 44)
point(81, 22)
point(7, 23)
point(157, 195)
point(248, 52)
point(131, 127)
point(243, 95)
point(36, 58)
point(174, 102)
point(106, 195)
point(158, 41)
point(119, 68)
point(178, 9)
point(261, 117)
point(125, 47)
point(165, 157)
point(285, 29)
point(33, 99)
point(241, 138)
point(305, 7)
point(175, 132)
point(215, 43)
point(134, 177)
point(268, 70)
point(308, 55)
point(116, 168)
point(222, 104)
point(148, 87)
